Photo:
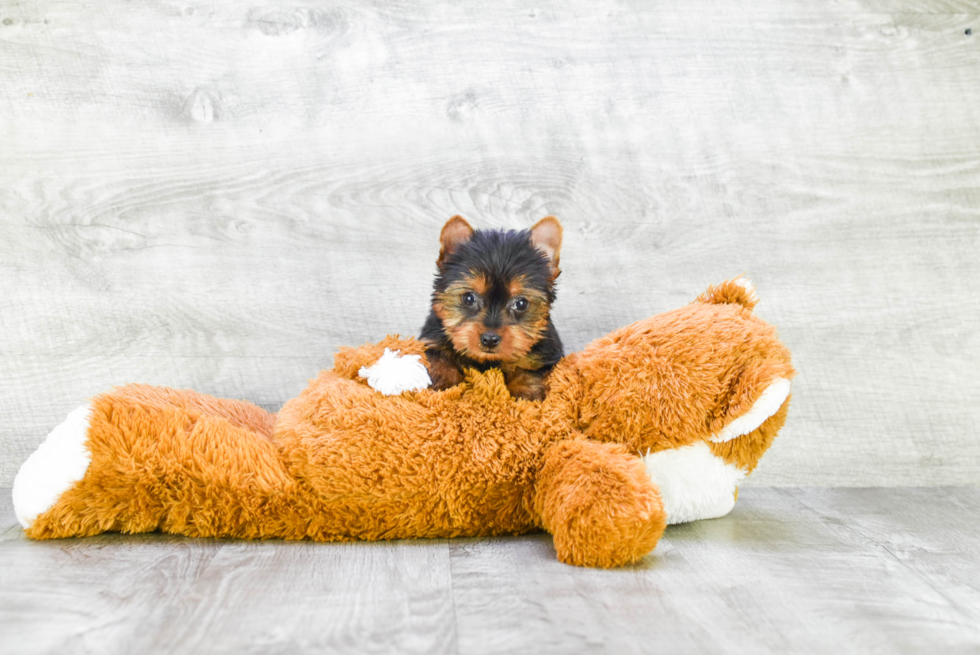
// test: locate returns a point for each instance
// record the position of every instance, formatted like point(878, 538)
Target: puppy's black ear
point(546, 237)
point(454, 233)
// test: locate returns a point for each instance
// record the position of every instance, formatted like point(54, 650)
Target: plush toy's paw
point(694, 483)
point(598, 503)
point(393, 374)
point(55, 466)
point(768, 403)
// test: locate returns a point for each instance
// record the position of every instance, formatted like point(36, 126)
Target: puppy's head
point(494, 289)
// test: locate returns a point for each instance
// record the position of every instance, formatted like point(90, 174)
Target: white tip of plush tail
point(58, 463)
point(394, 373)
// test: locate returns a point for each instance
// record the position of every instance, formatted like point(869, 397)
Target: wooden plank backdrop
point(217, 194)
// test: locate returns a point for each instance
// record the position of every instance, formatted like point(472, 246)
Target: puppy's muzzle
point(489, 340)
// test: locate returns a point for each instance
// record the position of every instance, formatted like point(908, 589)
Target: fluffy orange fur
point(343, 462)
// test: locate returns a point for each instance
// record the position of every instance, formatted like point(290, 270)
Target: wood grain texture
point(164, 594)
point(216, 195)
point(790, 570)
point(881, 570)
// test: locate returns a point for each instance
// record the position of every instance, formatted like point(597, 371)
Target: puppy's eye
point(520, 305)
point(469, 299)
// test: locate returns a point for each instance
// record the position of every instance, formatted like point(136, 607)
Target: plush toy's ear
point(454, 233)
point(546, 237)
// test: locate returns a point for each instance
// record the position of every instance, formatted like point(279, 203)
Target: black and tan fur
point(491, 305)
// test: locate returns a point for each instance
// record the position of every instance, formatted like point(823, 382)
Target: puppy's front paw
point(393, 373)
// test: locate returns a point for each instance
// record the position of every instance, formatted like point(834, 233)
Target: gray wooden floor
point(789, 571)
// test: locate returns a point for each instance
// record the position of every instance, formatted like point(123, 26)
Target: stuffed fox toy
point(655, 423)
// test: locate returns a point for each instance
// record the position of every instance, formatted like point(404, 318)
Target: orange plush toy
point(655, 423)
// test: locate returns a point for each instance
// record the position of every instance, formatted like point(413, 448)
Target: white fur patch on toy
point(393, 374)
point(746, 284)
point(768, 404)
point(58, 463)
point(694, 483)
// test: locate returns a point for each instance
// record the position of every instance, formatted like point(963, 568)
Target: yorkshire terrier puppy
point(491, 305)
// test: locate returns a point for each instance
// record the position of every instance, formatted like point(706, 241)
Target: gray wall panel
point(214, 196)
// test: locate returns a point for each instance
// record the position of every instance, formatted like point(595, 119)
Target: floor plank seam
point(452, 592)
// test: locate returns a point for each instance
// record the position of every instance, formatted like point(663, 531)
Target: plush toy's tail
point(739, 291)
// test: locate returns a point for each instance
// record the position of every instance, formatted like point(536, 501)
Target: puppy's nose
point(489, 339)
